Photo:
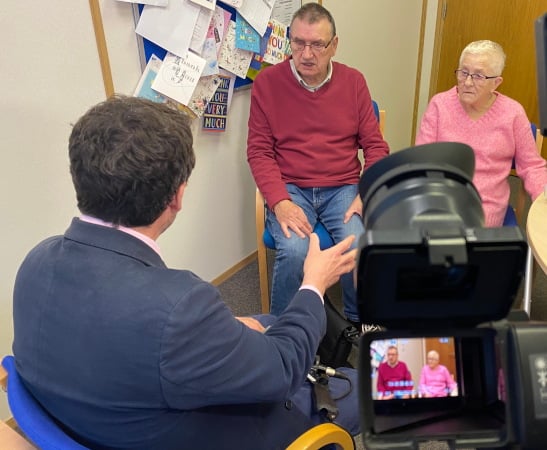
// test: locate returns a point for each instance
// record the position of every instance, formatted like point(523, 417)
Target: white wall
point(50, 75)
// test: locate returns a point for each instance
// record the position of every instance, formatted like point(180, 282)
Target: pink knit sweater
point(436, 382)
point(501, 134)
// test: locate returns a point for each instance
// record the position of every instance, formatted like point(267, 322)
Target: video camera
point(436, 279)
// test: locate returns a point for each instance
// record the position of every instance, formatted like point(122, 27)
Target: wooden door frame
point(419, 66)
point(437, 44)
point(102, 49)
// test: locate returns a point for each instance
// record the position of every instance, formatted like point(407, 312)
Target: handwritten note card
point(257, 13)
point(178, 76)
point(284, 9)
point(170, 27)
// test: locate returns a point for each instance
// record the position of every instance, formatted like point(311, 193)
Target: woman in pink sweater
point(493, 125)
point(435, 379)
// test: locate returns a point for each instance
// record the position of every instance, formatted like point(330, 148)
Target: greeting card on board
point(247, 38)
point(204, 92)
point(216, 111)
point(144, 86)
point(231, 58)
point(178, 76)
point(278, 49)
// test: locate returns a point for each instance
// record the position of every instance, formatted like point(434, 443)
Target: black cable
point(329, 371)
point(345, 394)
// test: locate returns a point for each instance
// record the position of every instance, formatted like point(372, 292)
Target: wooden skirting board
point(234, 269)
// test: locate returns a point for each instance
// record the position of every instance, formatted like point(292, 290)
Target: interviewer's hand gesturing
point(322, 268)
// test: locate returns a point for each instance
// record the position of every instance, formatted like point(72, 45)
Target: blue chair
point(510, 218)
point(265, 240)
point(37, 425)
point(42, 430)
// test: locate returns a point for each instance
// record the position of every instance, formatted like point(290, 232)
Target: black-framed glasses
point(298, 45)
point(462, 75)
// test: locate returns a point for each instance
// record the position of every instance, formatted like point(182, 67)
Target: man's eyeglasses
point(462, 75)
point(298, 45)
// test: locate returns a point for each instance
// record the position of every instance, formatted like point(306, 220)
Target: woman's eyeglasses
point(462, 75)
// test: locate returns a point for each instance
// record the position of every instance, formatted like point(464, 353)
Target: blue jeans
point(328, 205)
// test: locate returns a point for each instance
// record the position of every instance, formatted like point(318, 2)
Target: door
point(445, 348)
point(508, 22)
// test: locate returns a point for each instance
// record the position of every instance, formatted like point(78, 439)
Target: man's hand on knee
point(356, 207)
point(291, 217)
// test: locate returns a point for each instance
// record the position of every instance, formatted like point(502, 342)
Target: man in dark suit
point(127, 353)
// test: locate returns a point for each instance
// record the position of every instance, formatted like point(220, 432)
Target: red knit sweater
point(310, 139)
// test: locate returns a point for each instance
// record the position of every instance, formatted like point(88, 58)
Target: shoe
point(366, 328)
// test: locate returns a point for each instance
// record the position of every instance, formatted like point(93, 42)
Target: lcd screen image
point(405, 368)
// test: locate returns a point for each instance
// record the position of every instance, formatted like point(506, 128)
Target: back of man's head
point(128, 157)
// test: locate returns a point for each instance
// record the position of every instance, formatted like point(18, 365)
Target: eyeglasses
point(316, 47)
point(462, 75)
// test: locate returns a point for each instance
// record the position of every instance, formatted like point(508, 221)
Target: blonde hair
point(491, 49)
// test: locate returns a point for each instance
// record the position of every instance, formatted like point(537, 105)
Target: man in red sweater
point(394, 379)
point(309, 117)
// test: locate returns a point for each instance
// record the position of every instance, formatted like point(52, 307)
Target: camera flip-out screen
point(417, 387)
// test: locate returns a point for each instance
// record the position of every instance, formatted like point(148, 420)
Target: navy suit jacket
point(127, 353)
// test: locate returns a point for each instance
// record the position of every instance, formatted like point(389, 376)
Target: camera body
point(438, 281)
point(501, 371)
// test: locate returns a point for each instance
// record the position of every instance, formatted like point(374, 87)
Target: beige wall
point(50, 75)
point(380, 38)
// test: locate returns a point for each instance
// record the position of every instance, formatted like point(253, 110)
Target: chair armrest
point(9, 438)
point(321, 435)
point(260, 213)
point(382, 121)
point(261, 253)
